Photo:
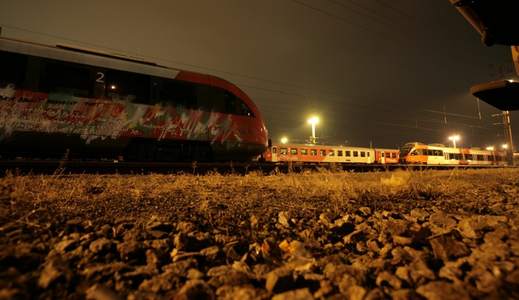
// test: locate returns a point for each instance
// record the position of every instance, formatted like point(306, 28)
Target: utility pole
point(507, 127)
point(508, 135)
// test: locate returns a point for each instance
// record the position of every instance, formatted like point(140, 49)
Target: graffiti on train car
point(100, 119)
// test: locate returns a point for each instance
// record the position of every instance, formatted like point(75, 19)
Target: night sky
point(376, 71)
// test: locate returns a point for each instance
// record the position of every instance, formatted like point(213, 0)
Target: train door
point(274, 154)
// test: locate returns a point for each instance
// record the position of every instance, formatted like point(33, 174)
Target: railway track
point(48, 166)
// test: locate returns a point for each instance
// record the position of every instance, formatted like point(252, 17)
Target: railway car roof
point(88, 58)
point(320, 146)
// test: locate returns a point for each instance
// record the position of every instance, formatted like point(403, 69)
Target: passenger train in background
point(410, 154)
point(301, 153)
point(61, 101)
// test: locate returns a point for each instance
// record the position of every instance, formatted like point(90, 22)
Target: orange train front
point(437, 154)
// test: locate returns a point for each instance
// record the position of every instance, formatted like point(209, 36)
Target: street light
point(314, 120)
point(284, 140)
point(504, 146)
point(490, 148)
point(454, 139)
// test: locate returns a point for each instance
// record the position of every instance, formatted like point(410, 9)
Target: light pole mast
point(508, 135)
point(313, 121)
point(454, 139)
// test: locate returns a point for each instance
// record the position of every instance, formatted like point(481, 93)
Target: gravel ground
point(400, 235)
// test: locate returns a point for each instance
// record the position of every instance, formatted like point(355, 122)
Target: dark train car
point(58, 101)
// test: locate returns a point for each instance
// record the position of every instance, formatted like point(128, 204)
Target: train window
point(393, 155)
point(331, 153)
point(175, 92)
point(367, 154)
point(209, 98)
point(348, 153)
point(274, 150)
point(65, 78)
point(322, 152)
point(339, 153)
point(127, 86)
point(362, 154)
point(234, 105)
point(304, 151)
point(355, 153)
point(293, 151)
point(383, 154)
point(12, 72)
point(480, 157)
point(313, 152)
point(243, 109)
point(283, 151)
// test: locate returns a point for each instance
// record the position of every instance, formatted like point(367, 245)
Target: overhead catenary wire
point(364, 12)
point(396, 10)
point(381, 34)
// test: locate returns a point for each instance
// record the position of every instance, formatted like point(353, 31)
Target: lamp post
point(454, 139)
point(313, 121)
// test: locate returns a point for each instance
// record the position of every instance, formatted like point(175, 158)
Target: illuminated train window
point(304, 151)
point(322, 152)
point(313, 152)
point(283, 151)
point(331, 153)
point(293, 151)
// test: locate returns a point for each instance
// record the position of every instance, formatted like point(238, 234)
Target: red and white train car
point(437, 154)
point(58, 101)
